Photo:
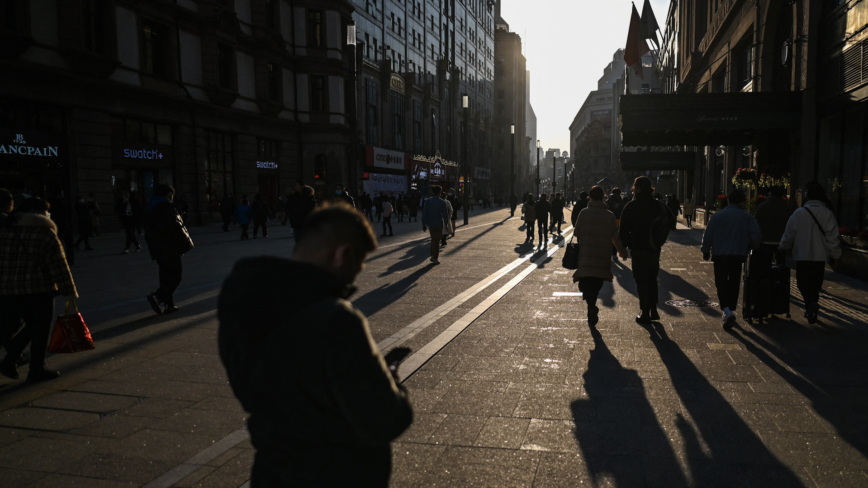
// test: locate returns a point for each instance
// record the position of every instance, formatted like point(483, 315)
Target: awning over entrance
point(657, 161)
point(705, 118)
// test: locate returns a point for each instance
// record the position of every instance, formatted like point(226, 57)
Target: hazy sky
point(568, 43)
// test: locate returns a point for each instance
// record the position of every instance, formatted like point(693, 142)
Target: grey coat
point(597, 231)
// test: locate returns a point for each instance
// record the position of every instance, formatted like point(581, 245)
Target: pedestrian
point(342, 195)
point(455, 203)
point(33, 270)
point(543, 208)
point(280, 210)
point(645, 225)
point(367, 206)
point(84, 217)
point(529, 211)
point(615, 203)
point(580, 205)
point(772, 215)
point(812, 236)
point(597, 232)
point(243, 216)
point(557, 213)
point(322, 415)
point(674, 206)
point(227, 210)
point(93, 205)
point(388, 209)
point(399, 207)
point(513, 203)
point(168, 240)
point(729, 237)
point(7, 203)
point(451, 211)
point(378, 205)
point(301, 203)
point(260, 215)
point(436, 218)
point(138, 211)
point(413, 207)
point(689, 210)
point(124, 210)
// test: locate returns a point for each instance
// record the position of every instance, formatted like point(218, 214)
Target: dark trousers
point(368, 214)
point(85, 238)
point(171, 270)
point(130, 231)
point(646, 265)
point(257, 225)
point(689, 220)
point(727, 280)
point(37, 311)
point(543, 230)
point(244, 234)
point(387, 221)
point(590, 287)
point(556, 222)
point(227, 219)
point(454, 219)
point(529, 224)
point(809, 280)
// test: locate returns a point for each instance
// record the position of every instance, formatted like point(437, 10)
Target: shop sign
point(601, 115)
point(384, 158)
point(143, 154)
point(396, 83)
point(266, 165)
point(20, 147)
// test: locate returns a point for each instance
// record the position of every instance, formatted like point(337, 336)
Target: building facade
point(530, 142)
point(214, 98)
point(510, 112)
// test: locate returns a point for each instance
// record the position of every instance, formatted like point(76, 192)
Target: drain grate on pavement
point(691, 303)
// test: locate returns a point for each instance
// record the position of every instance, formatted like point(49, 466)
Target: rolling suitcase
point(758, 277)
point(780, 291)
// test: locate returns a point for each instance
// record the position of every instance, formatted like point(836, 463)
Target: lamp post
point(354, 118)
point(512, 164)
point(465, 104)
point(537, 166)
point(554, 173)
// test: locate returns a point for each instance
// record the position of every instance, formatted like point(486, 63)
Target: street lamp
point(512, 165)
point(538, 145)
point(554, 173)
point(352, 174)
point(465, 104)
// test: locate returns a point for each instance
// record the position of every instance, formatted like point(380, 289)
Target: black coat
point(302, 361)
point(557, 207)
point(637, 219)
point(84, 218)
point(260, 210)
point(300, 206)
point(543, 209)
point(165, 232)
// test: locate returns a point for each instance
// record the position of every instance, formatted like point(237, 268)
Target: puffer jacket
point(805, 238)
point(597, 231)
point(529, 210)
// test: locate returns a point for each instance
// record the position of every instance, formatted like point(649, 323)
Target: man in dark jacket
point(640, 217)
point(227, 210)
point(557, 213)
point(773, 215)
point(168, 240)
point(301, 204)
point(674, 206)
point(513, 203)
point(581, 204)
point(260, 215)
point(342, 195)
point(323, 414)
point(616, 203)
point(543, 209)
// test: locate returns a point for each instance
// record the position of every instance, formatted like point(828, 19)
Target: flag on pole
point(636, 46)
point(649, 24)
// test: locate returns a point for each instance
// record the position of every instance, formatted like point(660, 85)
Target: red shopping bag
point(70, 333)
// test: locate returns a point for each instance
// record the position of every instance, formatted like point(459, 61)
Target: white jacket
point(806, 240)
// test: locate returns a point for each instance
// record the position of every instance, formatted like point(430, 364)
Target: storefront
point(32, 164)
point(142, 157)
point(386, 171)
point(267, 172)
point(436, 170)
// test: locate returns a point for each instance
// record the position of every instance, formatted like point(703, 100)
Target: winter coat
point(806, 240)
point(597, 231)
point(557, 207)
point(543, 209)
point(435, 213)
point(580, 205)
point(260, 211)
point(637, 219)
point(165, 232)
point(244, 215)
point(32, 259)
point(772, 217)
point(300, 206)
point(320, 415)
point(674, 206)
point(387, 209)
point(529, 210)
point(731, 232)
point(615, 204)
point(125, 212)
point(689, 209)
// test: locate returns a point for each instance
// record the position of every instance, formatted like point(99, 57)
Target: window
point(315, 28)
point(372, 112)
point(141, 132)
point(317, 94)
point(93, 23)
point(417, 127)
point(397, 120)
point(275, 82)
point(225, 62)
point(219, 180)
point(266, 150)
point(156, 49)
point(743, 69)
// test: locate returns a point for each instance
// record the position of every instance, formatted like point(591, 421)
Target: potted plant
point(746, 177)
point(722, 202)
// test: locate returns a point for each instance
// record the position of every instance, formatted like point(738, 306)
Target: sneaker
point(812, 317)
point(155, 304)
point(170, 308)
point(643, 319)
point(126, 251)
point(593, 315)
point(653, 314)
point(435, 261)
point(9, 370)
point(138, 248)
point(37, 375)
point(728, 321)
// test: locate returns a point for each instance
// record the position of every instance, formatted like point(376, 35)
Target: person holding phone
point(324, 404)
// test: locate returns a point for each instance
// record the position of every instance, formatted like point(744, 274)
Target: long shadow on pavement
point(413, 257)
point(464, 244)
point(380, 298)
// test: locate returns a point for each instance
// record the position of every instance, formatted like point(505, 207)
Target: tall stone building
point(511, 102)
point(530, 141)
point(215, 98)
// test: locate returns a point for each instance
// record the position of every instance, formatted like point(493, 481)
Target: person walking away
point(436, 218)
point(400, 205)
point(328, 418)
point(616, 204)
point(243, 216)
point(812, 236)
point(543, 209)
point(227, 210)
point(455, 204)
point(138, 211)
point(168, 240)
point(128, 222)
point(513, 203)
point(728, 239)
point(367, 206)
point(773, 215)
point(557, 213)
point(281, 211)
point(93, 205)
point(597, 232)
point(342, 195)
point(260, 215)
point(388, 209)
point(529, 211)
point(84, 218)
point(451, 212)
point(33, 270)
point(689, 211)
point(675, 207)
point(378, 205)
point(7, 203)
point(581, 204)
point(645, 225)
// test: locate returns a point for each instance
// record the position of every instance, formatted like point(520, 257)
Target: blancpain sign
point(142, 154)
point(19, 147)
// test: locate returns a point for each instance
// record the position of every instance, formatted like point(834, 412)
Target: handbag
point(70, 333)
point(571, 255)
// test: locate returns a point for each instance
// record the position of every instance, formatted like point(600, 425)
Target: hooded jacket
point(807, 241)
point(597, 231)
point(165, 232)
point(32, 259)
point(301, 359)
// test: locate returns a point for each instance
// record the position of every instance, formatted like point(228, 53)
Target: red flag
point(636, 47)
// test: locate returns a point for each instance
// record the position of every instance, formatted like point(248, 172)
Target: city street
point(509, 384)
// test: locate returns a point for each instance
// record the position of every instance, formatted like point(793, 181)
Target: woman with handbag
point(597, 231)
point(34, 271)
point(529, 211)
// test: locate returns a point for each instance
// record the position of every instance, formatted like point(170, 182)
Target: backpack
point(660, 227)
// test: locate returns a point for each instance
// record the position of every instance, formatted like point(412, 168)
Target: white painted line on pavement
point(566, 294)
point(188, 467)
point(420, 324)
point(423, 355)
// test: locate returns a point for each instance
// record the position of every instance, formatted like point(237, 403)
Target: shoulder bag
point(571, 254)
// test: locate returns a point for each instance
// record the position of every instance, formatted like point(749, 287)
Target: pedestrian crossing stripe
point(566, 294)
